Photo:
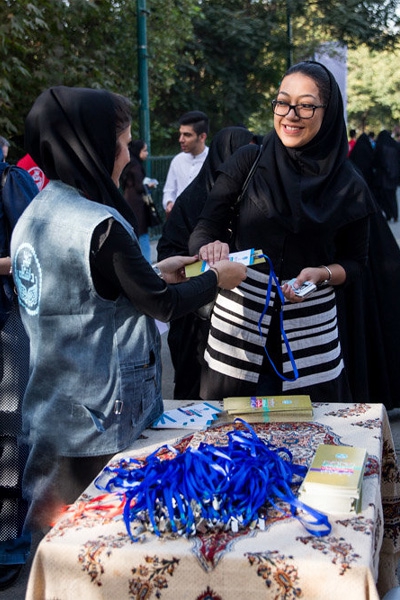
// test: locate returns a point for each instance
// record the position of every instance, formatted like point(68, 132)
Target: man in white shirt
point(193, 130)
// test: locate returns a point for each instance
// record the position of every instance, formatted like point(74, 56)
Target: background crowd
point(379, 162)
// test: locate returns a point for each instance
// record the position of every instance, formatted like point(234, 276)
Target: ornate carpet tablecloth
point(88, 553)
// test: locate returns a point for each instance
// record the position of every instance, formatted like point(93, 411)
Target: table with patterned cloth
point(89, 554)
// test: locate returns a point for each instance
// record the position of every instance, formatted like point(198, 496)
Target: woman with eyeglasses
point(308, 209)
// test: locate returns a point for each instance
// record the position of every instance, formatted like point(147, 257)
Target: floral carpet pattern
point(89, 553)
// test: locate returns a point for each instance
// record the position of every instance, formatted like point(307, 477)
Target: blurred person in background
point(187, 335)
point(133, 189)
point(387, 174)
point(185, 166)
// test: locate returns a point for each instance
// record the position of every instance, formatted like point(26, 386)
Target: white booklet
point(246, 257)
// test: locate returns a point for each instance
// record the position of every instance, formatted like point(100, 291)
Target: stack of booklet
point(333, 483)
point(268, 409)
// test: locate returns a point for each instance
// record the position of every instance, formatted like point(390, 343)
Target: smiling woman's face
point(293, 131)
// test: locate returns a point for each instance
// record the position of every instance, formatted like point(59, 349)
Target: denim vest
point(95, 371)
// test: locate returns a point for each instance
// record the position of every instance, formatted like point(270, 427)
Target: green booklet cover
point(268, 404)
point(336, 469)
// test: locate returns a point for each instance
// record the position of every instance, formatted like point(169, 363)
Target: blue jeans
point(16, 551)
point(144, 241)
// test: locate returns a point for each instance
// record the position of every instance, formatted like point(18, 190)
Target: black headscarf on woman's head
point(129, 175)
point(225, 142)
point(136, 146)
point(313, 186)
point(362, 156)
point(71, 134)
point(384, 140)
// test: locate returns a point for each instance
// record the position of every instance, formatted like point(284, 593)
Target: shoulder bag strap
point(249, 176)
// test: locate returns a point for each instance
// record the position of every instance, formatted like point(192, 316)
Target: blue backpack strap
point(4, 229)
point(18, 190)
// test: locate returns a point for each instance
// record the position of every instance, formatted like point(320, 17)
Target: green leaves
point(224, 57)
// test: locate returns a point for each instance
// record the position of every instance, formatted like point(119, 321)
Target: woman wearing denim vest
point(89, 298)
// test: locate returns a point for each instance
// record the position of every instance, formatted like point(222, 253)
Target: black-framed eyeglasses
point(303, 111)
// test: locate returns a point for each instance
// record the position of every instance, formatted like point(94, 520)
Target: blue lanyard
point(273, 278)
point(217, 486)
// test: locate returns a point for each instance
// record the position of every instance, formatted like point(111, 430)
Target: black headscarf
point(362, 156)
point(134, 170)
point(71, 134)
point(387, 164)
point(136, 146)
point(313, 186)
point(190, 202)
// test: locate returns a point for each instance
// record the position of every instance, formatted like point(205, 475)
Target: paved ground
point(17, 592)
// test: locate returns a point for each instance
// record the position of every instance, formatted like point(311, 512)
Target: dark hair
point(353, 132)
point(123, 117)
point(135, 148)
point(197, 119)
point(318, 73)
point(123, 112)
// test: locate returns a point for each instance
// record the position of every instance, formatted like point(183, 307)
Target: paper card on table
point(195, 416)
point(268, 404)
point(246, 257)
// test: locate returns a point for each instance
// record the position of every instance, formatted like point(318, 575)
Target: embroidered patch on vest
point(28, 278)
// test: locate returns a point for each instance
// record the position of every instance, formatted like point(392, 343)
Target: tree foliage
point(240, 48)
point(373, 89)
point(88, 43)
point(223, 57)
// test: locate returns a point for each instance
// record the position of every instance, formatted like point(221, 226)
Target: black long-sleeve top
point(290, 252)
point(118, 267)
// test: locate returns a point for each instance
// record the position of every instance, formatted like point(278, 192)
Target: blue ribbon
point(273, 277)
point(215, 485)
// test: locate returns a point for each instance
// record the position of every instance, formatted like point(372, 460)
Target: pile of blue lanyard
point(211, 488)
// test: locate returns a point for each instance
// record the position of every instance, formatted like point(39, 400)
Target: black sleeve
point(352, 244)
point(118, 267)
point(132, 177)
point(175, 234)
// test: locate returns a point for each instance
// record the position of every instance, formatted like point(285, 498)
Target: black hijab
point(134, 170)
point(190, 202)
point(313, 186)
point(383, 142)
point(71, 134)
point(225, 142)
point(362, 156)
point(136, 146)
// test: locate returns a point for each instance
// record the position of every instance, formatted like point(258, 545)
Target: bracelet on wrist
point(325, 281)
point(157, 271)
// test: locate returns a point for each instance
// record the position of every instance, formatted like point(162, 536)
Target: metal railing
point(158, 167)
